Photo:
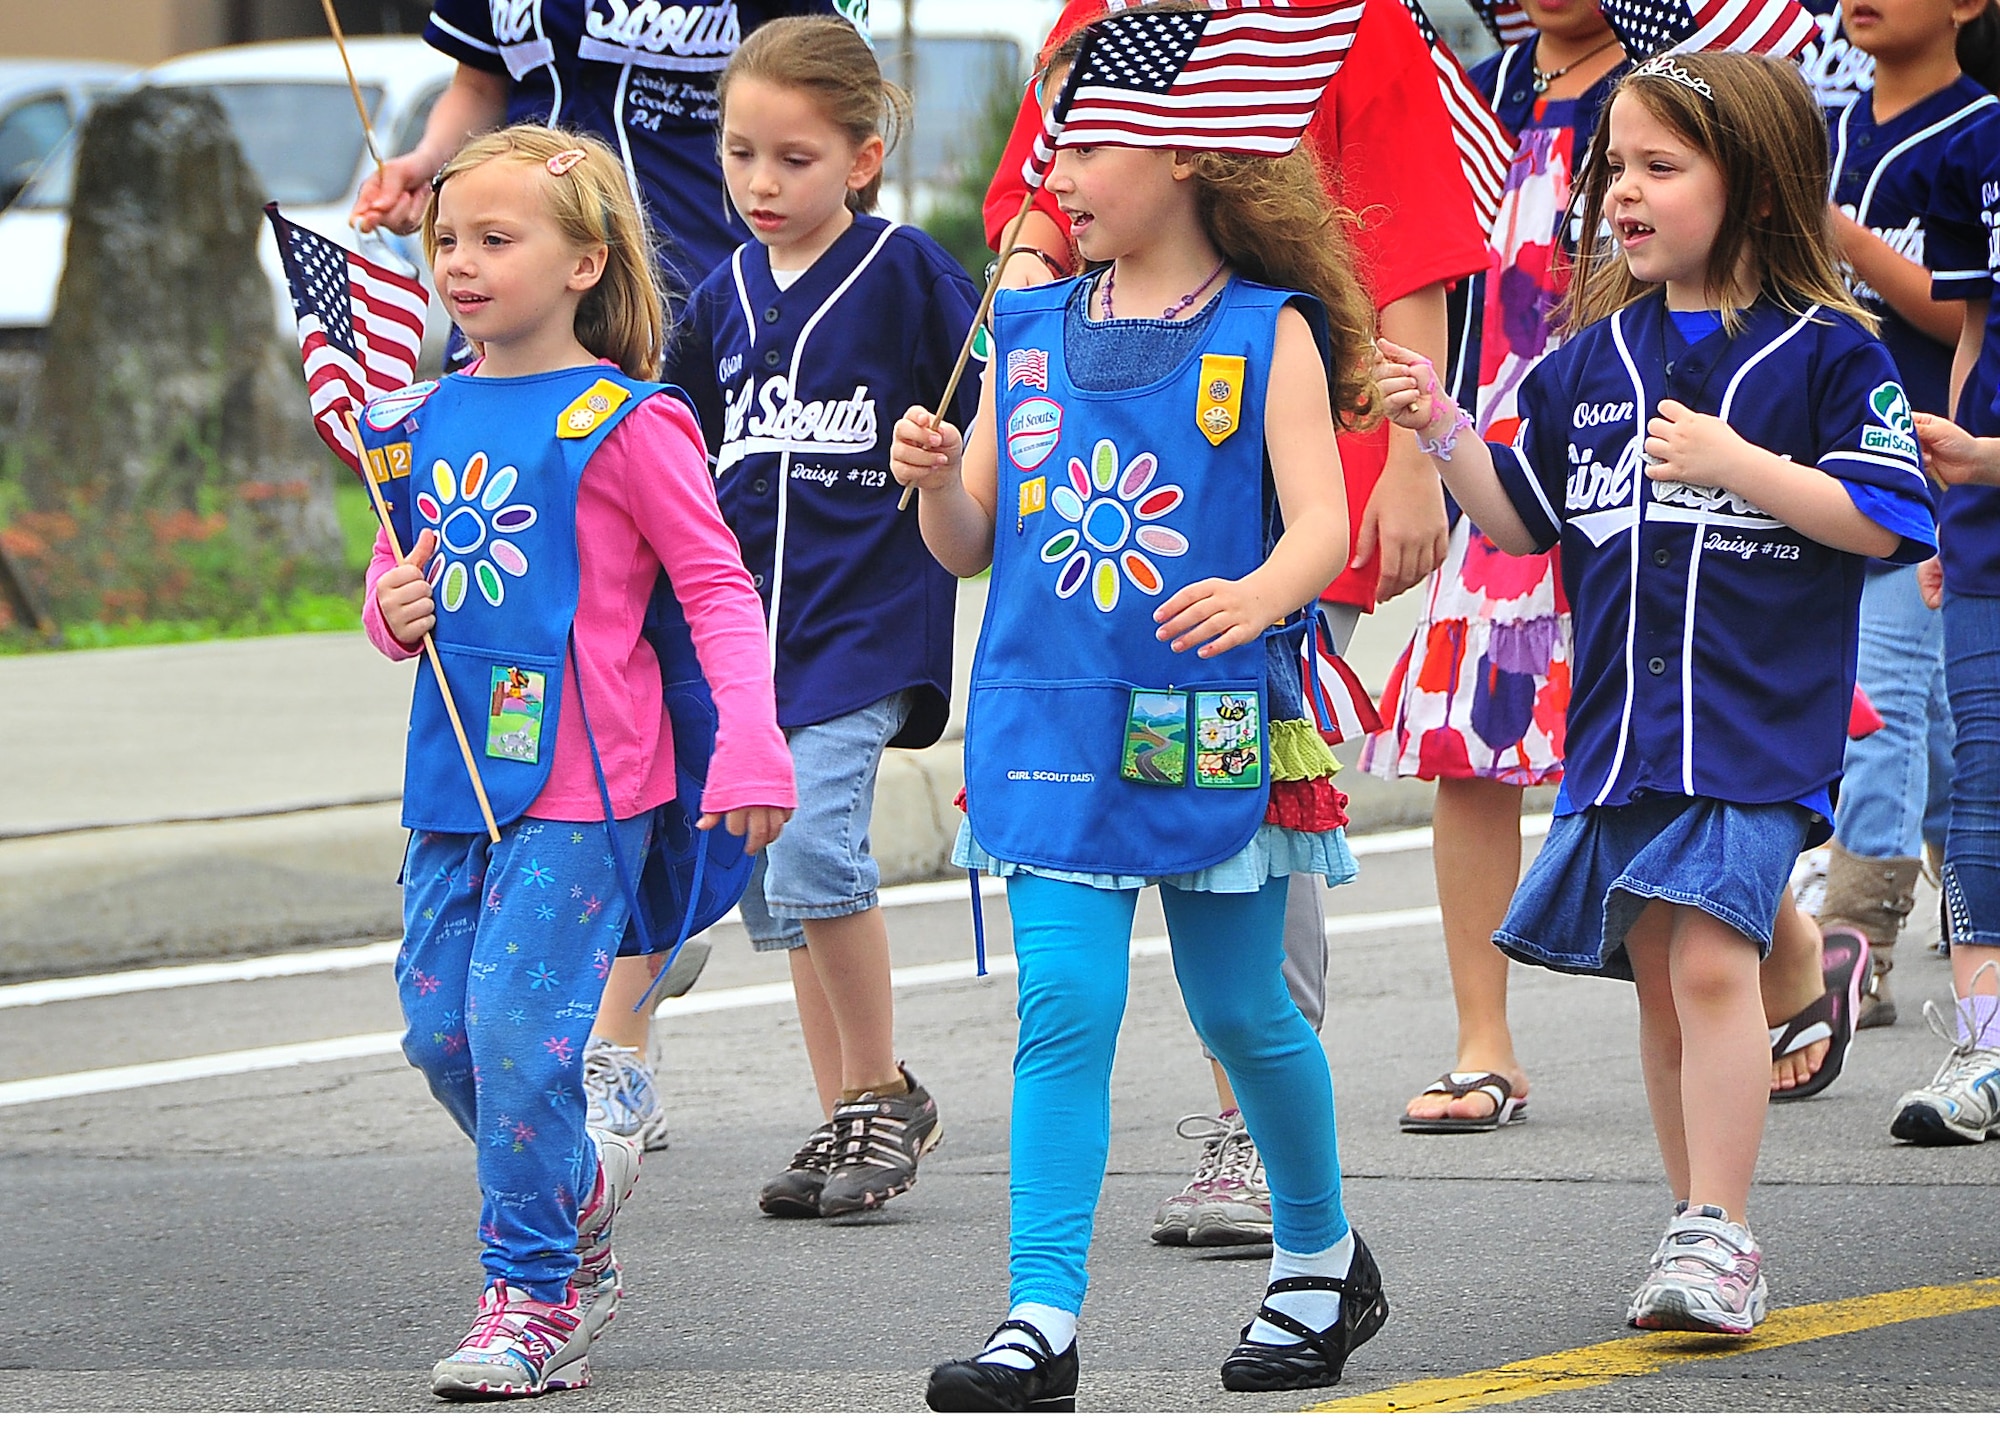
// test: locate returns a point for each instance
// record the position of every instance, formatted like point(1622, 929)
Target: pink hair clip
point(560, 164)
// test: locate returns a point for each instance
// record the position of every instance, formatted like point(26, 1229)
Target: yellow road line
point(1592, 1365)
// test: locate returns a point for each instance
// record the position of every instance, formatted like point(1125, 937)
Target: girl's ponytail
point(1979, 47)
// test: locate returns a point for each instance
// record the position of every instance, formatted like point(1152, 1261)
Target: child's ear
point(589, 269)
point(867, 163)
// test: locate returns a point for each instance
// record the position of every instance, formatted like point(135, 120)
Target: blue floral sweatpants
point(505, 951)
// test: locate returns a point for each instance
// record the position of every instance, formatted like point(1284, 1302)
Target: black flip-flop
point(1507, 1108)
point(1844, 957)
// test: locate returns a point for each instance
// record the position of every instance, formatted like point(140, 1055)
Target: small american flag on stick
point(1241, 77)
point(1781, 28)
point(1485, 147)
point(361, 327)
point(1505, 20)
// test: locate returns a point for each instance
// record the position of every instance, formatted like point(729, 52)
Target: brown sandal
point(1507, 1108)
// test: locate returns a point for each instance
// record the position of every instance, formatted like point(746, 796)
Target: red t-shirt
point(1386, 151)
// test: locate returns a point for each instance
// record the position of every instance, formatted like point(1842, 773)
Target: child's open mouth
point(1631, 232)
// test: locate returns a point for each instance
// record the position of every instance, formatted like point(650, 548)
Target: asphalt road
point(303, 1238)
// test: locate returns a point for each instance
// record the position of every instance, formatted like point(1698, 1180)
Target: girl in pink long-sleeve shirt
point(547, 491)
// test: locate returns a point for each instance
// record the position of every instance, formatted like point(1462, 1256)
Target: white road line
point(335, 960)
point(382, 1044)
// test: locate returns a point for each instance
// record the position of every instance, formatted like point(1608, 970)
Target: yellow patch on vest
point(1034, 495)
point(583, 416)
point(1218, 403)
point(397, 456)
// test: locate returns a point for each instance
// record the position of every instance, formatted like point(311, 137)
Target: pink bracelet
point(1441, 449)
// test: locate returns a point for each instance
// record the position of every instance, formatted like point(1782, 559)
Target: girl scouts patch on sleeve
point(581, 417)
point(1219, 402)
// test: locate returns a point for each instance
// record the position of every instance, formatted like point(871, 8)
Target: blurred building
point(145, 31)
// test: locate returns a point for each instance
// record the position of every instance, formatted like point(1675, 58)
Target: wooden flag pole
point(978, 321)
point(367, 136)
point(430, 645)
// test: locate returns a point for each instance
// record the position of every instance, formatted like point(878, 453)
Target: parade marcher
point(798, 353)
point(1715, 588)
point(641, 78)
point(1135, 718)
point(1414, 232)
point(577, 480)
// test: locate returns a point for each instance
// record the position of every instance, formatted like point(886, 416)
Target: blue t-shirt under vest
point(1091, 746)
point(492, 464)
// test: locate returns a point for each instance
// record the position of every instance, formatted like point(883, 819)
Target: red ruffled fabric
point(1309, 806)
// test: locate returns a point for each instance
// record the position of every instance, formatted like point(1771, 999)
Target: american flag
point(1505, 20)
point(1485, 148)
point(1241, 77)
point(1340, 706)
point(1028, 367)
point(1765, 27)
point(361, 327)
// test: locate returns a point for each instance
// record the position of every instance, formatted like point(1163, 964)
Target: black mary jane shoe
point(979, 1386)
point(1315, 1362)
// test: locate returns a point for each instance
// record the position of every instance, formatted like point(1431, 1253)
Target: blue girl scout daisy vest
point(492, 464)
point(1091, 746)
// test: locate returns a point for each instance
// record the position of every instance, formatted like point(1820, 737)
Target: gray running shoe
point(1237, 1207)
point(877, 1144)
point(619, 1094)
point(1962, 1102)
point(793, 1194)
point(1177, 1212)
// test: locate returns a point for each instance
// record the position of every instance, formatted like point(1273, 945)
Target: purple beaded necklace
point(1111, 283)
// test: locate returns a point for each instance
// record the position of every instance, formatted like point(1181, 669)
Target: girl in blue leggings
point(1169, 495)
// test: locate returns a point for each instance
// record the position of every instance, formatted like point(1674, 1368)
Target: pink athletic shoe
point(518, 1346)
point(1707, 1276)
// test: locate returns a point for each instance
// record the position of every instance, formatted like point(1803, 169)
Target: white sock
point(1317, 1308)
point(1058, 1327)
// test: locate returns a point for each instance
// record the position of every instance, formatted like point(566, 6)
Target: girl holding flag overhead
point(1714, 585)
point(545, 492)
point(1153, 478)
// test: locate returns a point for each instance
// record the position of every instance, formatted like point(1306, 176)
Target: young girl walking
point(798, 353)
point(548, 488)
point(1714, 585)
point(1135, 714)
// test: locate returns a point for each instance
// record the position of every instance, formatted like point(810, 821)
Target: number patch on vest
point(1156, 739)
point(1228, 735)
point(514, 715)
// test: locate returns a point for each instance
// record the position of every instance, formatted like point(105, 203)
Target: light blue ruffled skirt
point(1273, 853)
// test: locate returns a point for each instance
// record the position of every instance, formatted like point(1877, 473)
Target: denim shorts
point(1598, 869)
point(820, 866)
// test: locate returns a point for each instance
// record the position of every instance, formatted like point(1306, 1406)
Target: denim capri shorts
point(1599, 868)
point(821, 867)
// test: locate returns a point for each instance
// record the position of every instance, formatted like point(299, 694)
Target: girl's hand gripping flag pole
point(1240, 77)
point(361, 328)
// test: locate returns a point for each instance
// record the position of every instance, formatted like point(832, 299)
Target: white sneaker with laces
point(597, 1282)
point(1962, 1102)
point(1236, 1208)
point(620, 1096)
point(1176, 1214)
point(518, 1346)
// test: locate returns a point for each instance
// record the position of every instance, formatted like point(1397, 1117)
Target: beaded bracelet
point(1441, 449)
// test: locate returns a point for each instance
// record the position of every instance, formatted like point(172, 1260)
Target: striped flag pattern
point(1505, 20)
point(1781, 28)
point(361, 327)
point(1340, 705)
point(1485, 147)
point(1241, 77)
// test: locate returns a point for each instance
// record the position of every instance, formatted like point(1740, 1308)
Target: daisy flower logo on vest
point(473, 524)
point(1112, 514)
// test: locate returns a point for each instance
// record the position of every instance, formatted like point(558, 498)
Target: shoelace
point(1963, 1043)
point(815, 1154)
point(1212, 1132)
point(1237, 1159)
point(870, 1133)
point(604, 1070)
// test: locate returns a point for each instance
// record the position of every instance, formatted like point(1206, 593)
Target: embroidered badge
point(475, 525)
point(1892, 409)
point(581, 417)
point(1156, 739)
point(1228, 736)
point(1111, 510)
point(397, 457)
point(1219, 404)
point(1033, 429)
point(982, 344)
point(1028, 367)
point(385, 412)
point(514, 715)
point(1034, 495)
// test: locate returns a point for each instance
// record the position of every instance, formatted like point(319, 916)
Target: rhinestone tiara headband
point(1664, 67)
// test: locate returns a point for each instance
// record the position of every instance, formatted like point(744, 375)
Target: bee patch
point(583, 416)
point(514, 714)
point(1228, 739)
point(1218, 405)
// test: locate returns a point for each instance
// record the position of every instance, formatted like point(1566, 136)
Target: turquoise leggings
point(1072, 945)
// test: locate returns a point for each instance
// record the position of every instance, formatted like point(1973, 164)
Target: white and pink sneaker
point(1707, 1276)
point(518, 1346)
point(597, 1284)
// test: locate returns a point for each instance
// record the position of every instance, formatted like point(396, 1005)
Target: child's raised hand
point(926, 452)
point(758, 825)
point(404, 596)
point(1409, 384)
point(1951, 454)
point(1691, 447)
point(1215, 614)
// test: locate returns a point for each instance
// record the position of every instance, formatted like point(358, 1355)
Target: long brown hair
point(825, 57)
point(624, 317)
point(1272, 220)
point(1756, 121)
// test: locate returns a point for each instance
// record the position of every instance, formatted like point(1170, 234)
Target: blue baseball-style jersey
point(1838, 73)
point(1715, 645)
point(1882, 178)
point(639, 75)
point(1962, 240)
point(799, 390)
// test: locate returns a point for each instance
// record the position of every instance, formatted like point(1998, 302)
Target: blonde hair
point(624, 317)
point(1272, 221)
point(827, 58)
point(1756, 121)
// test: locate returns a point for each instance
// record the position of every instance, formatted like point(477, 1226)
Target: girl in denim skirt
point(1715, 586)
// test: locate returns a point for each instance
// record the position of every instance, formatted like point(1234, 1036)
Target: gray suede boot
point(1873, 896)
